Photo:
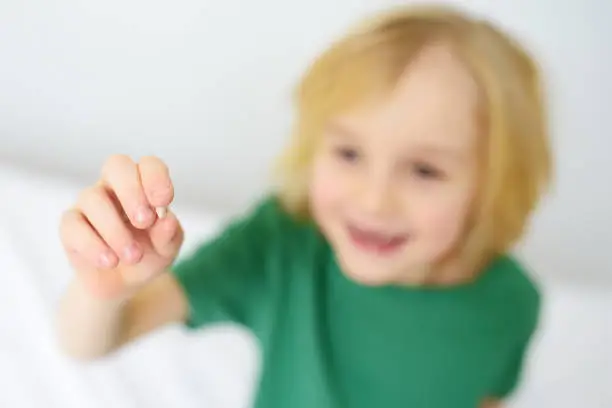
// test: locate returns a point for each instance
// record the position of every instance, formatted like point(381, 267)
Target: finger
point(120, 174)
point(101, 212)
point(167, 236)
point(156, 182)
point(82, 244)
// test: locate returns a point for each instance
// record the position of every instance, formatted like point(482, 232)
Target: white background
point(206, 85)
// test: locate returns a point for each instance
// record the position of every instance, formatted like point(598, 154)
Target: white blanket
point(570, 366)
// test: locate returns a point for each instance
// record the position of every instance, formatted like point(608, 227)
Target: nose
point(377, 195)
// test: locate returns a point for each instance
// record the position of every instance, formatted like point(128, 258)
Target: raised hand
point(120, 235)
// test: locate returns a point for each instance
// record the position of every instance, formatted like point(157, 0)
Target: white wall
point(206, 85)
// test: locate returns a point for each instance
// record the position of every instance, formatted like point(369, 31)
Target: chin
point(366, 278)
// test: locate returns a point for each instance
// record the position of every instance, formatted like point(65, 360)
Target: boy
point(377, 273)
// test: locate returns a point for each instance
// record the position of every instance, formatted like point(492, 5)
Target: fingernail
point(132, 252)
point(106, 259)
point(143, 214)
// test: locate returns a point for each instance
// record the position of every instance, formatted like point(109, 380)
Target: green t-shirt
point(327, 341)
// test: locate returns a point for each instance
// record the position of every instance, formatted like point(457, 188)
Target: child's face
point(393, 183)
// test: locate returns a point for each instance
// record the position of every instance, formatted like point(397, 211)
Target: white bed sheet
point(571, 364)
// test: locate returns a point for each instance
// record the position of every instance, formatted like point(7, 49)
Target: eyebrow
point(440, 151)
point(341, 130)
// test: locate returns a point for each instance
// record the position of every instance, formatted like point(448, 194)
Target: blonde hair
point(371, 59)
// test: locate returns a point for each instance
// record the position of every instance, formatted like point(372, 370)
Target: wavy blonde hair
point(369, 61)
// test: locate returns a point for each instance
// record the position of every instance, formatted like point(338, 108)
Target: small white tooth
point(161, 211)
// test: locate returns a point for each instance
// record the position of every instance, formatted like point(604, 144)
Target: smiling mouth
point(376, 241)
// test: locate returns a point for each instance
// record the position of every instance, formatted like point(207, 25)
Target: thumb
point(167, 235)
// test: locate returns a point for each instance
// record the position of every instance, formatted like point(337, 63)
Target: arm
point(119, 250)
point(222, 280)
point(126, 282)
point(91, 327)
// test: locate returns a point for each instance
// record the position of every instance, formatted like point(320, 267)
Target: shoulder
point(516, 292)
point(269, 226)
point(517, 279)
point(237, 273)
point(262, 231)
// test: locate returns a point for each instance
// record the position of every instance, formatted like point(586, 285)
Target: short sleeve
point(510, 377)
point(225, 278)
point(513, 367)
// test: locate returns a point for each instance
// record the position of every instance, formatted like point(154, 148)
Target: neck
point(449, 272)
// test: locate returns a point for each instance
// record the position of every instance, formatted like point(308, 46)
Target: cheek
point(443, 219)
point(327, 188)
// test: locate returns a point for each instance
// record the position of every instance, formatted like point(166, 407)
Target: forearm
point(89, 327)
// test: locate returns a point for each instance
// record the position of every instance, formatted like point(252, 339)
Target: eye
point(426, 171)
point(347, 154)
